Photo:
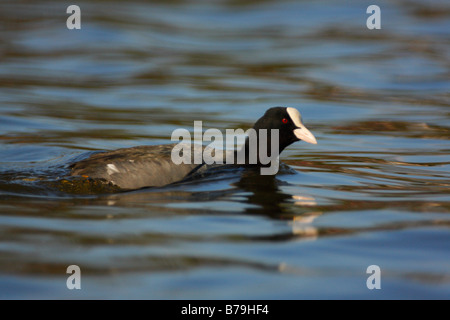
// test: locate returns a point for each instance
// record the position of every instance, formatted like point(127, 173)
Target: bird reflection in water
point(268, 199)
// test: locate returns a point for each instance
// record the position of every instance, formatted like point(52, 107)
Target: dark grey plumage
point(152, 166)
point(134, 168)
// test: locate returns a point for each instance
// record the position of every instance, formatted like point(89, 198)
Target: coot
point(152, 166)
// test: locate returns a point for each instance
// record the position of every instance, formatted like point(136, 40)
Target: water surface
point(374, 191)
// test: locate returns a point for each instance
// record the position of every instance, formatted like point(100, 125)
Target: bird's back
point(134, 168)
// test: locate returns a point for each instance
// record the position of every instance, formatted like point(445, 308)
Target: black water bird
point(152, 166)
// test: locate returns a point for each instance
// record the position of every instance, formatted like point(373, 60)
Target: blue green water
point(374, 191)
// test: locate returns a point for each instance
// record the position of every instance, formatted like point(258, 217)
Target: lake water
point(374, 191)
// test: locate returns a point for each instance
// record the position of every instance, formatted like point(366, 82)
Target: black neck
point(250, 151)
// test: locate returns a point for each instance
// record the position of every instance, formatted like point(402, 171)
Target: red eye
point(285, 120)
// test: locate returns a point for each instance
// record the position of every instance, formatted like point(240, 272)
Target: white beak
point(304, 134)
point(301, 132)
